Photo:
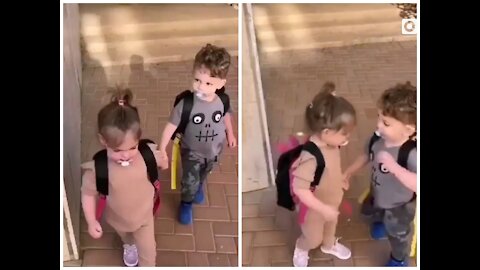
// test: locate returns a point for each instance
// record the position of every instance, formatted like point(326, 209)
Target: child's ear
point(410, 129)
point(326, 131)
point(222, 83)
point(102, 140)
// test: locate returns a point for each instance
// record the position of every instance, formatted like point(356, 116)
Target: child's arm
point(406, 177)
point(358, 164)
point(232, 141)
point(162, 161)
point(303, 177)
point(166, 136)
point(172, 124)
point(89, 197)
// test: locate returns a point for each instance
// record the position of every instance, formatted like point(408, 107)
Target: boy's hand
point(163, 155)
point(162, 159)
point(387, 159)
point(95, 230)
point(164, 163)
point(347, 176)
point(232, 141)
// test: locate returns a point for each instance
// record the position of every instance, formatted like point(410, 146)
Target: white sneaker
point(130, 255)
point(300, 257)
point(338, 250)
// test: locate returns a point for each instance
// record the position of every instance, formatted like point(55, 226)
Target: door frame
point(248, 17)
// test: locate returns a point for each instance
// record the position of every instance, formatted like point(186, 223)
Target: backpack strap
point(220, 91)
point(187, 97)
point(225, 100)
point(149, 158)
point(375, 137)
point(101, 171)
point(404, 152)
point(312, 148)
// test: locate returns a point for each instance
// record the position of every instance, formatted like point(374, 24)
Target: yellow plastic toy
point(175, 157)
point(413, 250)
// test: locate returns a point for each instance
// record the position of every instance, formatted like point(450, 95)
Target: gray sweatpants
point(398, 224)
point(195, 170)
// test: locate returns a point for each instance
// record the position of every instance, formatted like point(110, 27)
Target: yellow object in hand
point(363, 196)
point(413, 250)
point(175, 155)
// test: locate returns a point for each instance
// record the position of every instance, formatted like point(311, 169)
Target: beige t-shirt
point(329, 190)
point(130, 193)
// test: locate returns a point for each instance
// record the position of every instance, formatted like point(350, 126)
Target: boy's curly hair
point(215, 59)
point(400, 102)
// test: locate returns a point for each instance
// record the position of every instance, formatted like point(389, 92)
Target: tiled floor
point(213, 238)
point(291, 79)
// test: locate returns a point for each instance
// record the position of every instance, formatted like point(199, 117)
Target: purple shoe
point(130, 255)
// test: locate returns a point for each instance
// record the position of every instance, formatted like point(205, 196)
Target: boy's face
point(392, 129)
point(205, 84)
point(125, 152)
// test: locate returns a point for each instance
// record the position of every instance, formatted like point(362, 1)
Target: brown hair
point(118, 117)
point(213, 58)
point(400, 102)
point(328, 111)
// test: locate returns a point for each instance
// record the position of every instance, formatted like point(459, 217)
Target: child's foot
point(130, 255)
point(199, 195)
point(185, 215)
point(378, 231)
point(395, 262)
point(300, 257)
point(338, 250)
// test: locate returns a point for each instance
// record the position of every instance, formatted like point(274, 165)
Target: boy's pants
point(195, 170)
point(398, 223)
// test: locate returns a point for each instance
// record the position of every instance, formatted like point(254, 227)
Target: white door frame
point(70, 130)
point(252, 43)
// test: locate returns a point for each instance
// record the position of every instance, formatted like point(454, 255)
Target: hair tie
point(121, 102)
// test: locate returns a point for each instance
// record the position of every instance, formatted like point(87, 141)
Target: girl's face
point(125, 153)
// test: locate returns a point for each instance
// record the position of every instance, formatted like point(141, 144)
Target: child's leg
point(329, 238)
point(127, 238)
point(375, 215)
point(191, 167)
point(145, 242)
point(204, 171)
point(311, 237)
point(330, 243)
point(398, 223)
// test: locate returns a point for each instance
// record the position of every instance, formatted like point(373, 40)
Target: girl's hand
point(330, 213)
point(95, 230)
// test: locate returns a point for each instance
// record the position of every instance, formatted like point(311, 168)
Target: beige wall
point(72, 78)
